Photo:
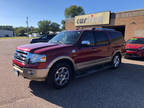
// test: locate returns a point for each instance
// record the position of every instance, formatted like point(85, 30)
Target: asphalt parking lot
point(120, 88)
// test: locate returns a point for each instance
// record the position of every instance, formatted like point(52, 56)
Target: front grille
point(130, 49)
point(133, 55)
point(20, 56)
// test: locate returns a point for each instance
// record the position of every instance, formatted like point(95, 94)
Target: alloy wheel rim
point(116, 61)
point(62, 76)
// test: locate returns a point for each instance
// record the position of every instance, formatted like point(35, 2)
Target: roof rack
point(103, 29)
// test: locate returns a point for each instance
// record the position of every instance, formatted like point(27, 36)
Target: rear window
point(115, 35)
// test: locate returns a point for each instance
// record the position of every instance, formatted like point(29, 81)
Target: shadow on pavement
point(118, 88)
point(136, 58)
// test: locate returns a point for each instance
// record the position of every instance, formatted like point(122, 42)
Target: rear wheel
point(60, 75)
point(116, 61)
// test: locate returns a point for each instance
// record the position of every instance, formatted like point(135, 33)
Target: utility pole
point(27, 23)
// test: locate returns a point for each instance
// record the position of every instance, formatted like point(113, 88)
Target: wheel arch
point(117, 52)
point(62, 59)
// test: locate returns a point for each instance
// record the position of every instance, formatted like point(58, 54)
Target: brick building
point(130, 23)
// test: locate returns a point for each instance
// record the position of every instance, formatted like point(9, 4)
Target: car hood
point(40, 47)
point(134, 46)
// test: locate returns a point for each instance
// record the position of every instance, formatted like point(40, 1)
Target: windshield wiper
point(57, 42)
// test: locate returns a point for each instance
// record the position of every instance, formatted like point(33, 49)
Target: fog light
point(30, 72)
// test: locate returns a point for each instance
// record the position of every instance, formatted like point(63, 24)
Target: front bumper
point(32, 74)
point(135, 53)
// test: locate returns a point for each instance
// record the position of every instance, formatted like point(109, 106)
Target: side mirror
point(85, 43)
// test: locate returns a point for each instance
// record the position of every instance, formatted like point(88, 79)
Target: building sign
point(93, 19)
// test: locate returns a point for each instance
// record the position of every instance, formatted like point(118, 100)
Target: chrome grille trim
point(21, 56)
point(131, 49)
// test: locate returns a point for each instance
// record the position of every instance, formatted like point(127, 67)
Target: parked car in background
point(69, 54)
point(43, 38)
point(135, 47)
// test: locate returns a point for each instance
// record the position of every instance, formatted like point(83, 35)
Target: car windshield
point(66, 37)
point(136, 41)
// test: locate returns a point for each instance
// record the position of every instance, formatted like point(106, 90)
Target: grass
point(22, 37)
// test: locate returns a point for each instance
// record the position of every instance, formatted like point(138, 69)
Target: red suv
point(135, 47)
point(67, 54)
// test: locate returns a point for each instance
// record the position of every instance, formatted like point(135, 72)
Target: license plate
point(16, 72)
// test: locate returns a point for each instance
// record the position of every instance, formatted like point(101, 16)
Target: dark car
point(43, 38)
point(69, 54)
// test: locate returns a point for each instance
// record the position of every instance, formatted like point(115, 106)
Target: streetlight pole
point(27, 23)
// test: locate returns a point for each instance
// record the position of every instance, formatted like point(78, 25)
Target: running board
point(84, 73)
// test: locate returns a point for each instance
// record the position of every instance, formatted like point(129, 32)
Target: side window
point(101, 38)
point(115, 35)
point(44, 37)
point(88, 36)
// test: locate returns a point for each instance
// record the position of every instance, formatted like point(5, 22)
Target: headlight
point(141, 48)
point(35, 58)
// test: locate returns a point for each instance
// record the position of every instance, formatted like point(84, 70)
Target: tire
point(59, 75)
point(116, 61)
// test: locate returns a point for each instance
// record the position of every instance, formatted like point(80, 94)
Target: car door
point(85, 55)
point(102, 48)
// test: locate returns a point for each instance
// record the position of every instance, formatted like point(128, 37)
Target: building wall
point(70, 25)
point(132, 20)
point(4, 33)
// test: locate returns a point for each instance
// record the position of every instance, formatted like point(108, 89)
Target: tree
point(73, 11)
point(44, 26)
point(63, 24)
point(54, 27)
point(20, 31)
point(33, 30)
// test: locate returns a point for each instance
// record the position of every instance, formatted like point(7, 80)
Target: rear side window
point(115, 35)
point(88, 36)
point(101, 38)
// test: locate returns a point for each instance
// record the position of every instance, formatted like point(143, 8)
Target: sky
point(14, 12)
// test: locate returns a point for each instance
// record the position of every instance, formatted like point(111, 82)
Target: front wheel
point(116, 61)
point(60, 75)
